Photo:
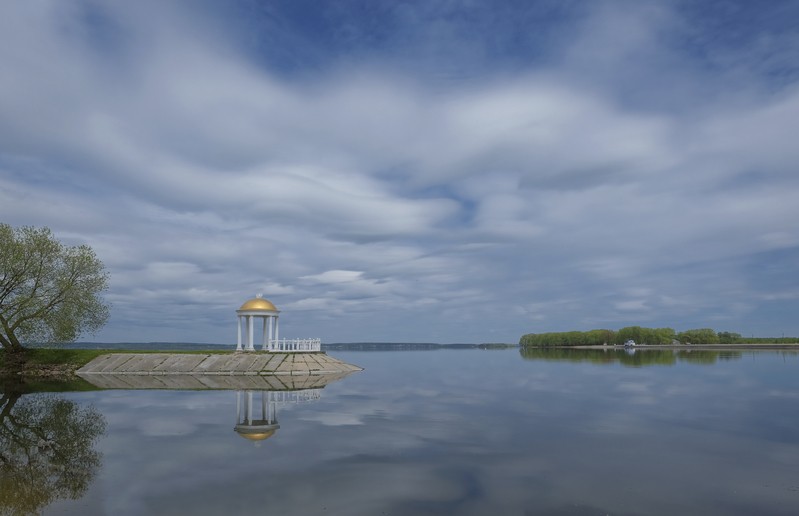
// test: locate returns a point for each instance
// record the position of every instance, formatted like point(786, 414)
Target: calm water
point(429, 432)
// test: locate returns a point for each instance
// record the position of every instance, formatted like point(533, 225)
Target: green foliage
point(48, 292)
point(37, 361)
point(769, 340)
point(726, 337)
point(34, 358)
point(628, 358)
point(651, 336)
point(664, 336)
point(570, 338)
point(698, 336)
point(600, 337)
point(645, 336)
point(47, 450)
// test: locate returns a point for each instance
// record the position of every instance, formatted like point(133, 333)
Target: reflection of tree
point(46, 450)
point(641, 357)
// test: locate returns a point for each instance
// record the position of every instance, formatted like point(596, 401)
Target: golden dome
point(258, 303)
point(257, 436)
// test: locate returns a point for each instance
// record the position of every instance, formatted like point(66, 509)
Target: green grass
point(43, 356)
point(51, 369)
point(28, 384)
point(36, 358)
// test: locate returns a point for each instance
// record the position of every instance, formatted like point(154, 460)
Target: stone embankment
point(214, 371)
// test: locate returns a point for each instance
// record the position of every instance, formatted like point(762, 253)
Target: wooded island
point(646, 336)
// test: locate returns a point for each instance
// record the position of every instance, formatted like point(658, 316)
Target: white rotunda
point(263, 309)
point(257, 308)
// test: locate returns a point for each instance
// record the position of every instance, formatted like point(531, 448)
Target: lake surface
point(467, 432)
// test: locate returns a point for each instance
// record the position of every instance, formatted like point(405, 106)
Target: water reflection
point(217, 382)
point(630, 357)
point(46, 450)
point(258, 425)
point(460, 432)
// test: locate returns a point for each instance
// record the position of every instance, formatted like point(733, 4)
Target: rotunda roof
point(257, 436)
point(258, 303)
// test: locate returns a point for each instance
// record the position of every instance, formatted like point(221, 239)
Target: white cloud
point(335, 276)
point(631, 305)
point(201, 177)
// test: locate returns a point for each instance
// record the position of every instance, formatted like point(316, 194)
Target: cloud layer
point(424, 173)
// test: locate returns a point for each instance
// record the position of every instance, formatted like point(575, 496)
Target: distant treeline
point(631, 358)
point(650, 336)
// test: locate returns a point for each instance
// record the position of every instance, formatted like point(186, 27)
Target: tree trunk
point(14, 354)
point(14, 348)
point(7, 403)
point(10, 343)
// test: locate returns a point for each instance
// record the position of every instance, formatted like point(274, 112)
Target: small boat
point(629, 344)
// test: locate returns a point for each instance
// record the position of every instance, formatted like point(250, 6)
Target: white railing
point(294, 345)
point(294, 396)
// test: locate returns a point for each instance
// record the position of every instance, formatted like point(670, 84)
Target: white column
point(264, 333)
point(238, 327)
point(277, 320)
point(263, 406)
point(270, 332)
point(270, 410)
point(250, 339)
point(238, 407)
point(249, 408)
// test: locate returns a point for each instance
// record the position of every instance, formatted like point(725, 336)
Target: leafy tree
point(698, 336)
point(635, 333)
point(48, 291)
point(599, 337)
point(568, 338)
point(663, 336)
point(46, 450)
point(727, 337)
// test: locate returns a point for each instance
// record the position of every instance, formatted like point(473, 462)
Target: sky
point(413, 171)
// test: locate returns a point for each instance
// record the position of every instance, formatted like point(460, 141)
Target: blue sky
point(446, 171)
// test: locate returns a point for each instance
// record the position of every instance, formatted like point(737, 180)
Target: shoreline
point(63, 364)
point(211, 364)
point(68, 364)
point(688, 347)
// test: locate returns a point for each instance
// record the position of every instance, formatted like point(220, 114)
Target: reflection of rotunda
point(247, 425)
point(258, 425)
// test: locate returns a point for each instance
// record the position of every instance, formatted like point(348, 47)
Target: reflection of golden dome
point(258, 303)
point(257, 436)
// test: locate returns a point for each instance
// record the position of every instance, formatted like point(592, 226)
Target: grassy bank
point(38, 362)
point(55, 362)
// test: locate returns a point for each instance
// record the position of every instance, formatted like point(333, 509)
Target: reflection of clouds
point(783, 394)
point(636, 392)
point(168, 413)
point(161, 427)
point(152, 437)
point(380, 487)
point(335, 419)
point(452, 432)
point(787, 455)
point(619, 423)
point(633, 387)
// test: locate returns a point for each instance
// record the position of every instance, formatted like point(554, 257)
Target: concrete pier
point(241, 382)
point(279, 371)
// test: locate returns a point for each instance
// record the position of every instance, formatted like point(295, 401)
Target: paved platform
point(208, 365)
point(254, 382)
